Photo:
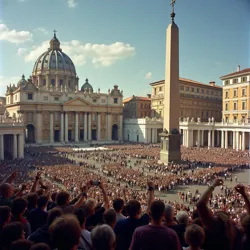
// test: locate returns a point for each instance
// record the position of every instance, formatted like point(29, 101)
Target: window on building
point(212, 92)
point(192, 89)
point(181, 87)
point(235, 93)
point(226, 106)
point(160, 89)
point(243, 105)
point(160, 113)
point(235, 106)
point(93, 117)
point(208, 92)
point(226, 82)
point(56, 98)
point(155, 91)
point(94, 100)
point(226, 94)
point(235, 118)
point(243, 92)
point(202, 91)
point(30, 96)
point(243, 79)
point(115, 100)
point(160, 102)
point(61, 82)
point(198, 90)
point(187, 88)
point(235, 80)
point(53, 82)
point(45, 98)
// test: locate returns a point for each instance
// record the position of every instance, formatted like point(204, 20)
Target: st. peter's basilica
point(55, 109)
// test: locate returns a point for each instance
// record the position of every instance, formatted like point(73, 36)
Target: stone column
point(39, 127)
point(212, 138)
point(120, 137)
point(234, 140)
point(99, 126)
point(66, 127)
point(183, 137)
point(226, 139)
point(109, 126)
point(1, 147)
point(237, 140)
point(240, 141)
point(62, 128)
point(209, 139)
point(51, 127)
point(198, 138)
point(222, 139)
point(191, 138)
point(76, 127)
point(20, 146)
point(85, 126)
point(149, 136)
point(202, 138)
point(14, 146)
point(187, 138)
point(243, 147)
point(89, 128)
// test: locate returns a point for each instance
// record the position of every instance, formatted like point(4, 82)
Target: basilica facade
point(54, 108)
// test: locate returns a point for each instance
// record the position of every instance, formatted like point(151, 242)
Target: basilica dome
point(54, 59)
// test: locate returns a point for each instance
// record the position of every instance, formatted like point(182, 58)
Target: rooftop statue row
point(7, 119)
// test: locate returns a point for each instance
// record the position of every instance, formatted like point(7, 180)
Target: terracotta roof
point(139, 98)
point(187, 81)
point(236, 73)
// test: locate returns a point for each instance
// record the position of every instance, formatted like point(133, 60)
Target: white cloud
point(72, 3)
point(5, 81)
point(42, 30)
point(148, 76)
point(14, 36)
point(21, 51)
point(99, 54)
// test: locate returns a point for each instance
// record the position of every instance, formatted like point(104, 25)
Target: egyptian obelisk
point(171, 138)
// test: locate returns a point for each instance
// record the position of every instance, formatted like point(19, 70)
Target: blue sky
point(123, 42)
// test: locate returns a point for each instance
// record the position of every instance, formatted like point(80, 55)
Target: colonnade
point(12, 143)
point(87, 127)
point(224, 138)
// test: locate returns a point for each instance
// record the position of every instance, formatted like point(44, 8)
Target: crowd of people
point(58, 198)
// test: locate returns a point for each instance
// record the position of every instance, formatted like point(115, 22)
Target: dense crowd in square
point(58, 198)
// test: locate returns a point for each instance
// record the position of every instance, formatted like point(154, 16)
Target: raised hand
point(217, 182)
point(240, 189)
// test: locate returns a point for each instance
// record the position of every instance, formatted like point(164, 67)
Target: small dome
point(54, 59)
point(22, 82)
point(87, 86)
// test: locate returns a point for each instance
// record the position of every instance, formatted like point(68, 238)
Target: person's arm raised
point(10, 178)
point(83, 196)
point(35, 183)
point(241, 190)
point(204, 212)
point(105, 196)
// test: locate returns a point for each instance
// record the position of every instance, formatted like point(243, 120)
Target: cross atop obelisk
point(172, 14)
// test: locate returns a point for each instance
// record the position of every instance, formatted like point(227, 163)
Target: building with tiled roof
point(236, 95)
point(197, 100)
point(137, 107)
